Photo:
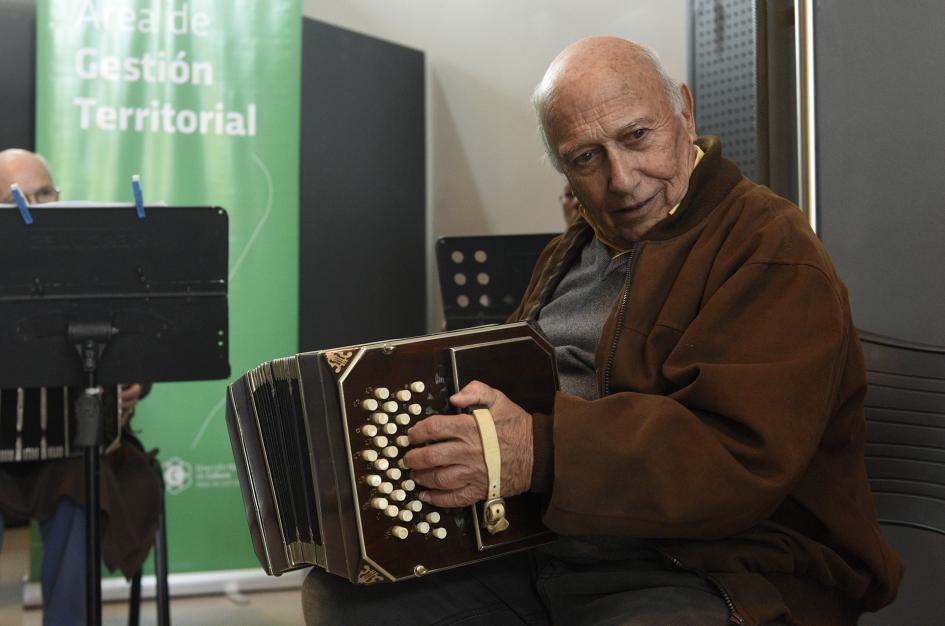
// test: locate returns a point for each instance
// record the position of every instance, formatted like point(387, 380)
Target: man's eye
point(584, 157)
point(639, 133)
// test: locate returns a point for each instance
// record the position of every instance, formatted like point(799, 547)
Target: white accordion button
point(422, 528)
point(415, 409)
point(390, 406)
point(381, 393)
point(380, 441)
point(380, 418)
point(402, 418)
point(394, 473)
point(417, 386)
point(433, 518)
point(409, 485)
point(403, 395)
point(369, 455)
point(402, 464)
point(373, 480)
point(439, 533)
point(398, 495)
point(379, 503)
point(415, 506)
point(391, 452)
point(405, 516)
point(390, 428)
point(403, 441)
point(369, 405)
point(381, 464)
point(391, 511)
point(385, 488)
point(400, 532)
point(369, 430)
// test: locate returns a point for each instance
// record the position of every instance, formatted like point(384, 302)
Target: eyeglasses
point(49, 193)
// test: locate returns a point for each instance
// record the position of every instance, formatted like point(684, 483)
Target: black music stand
point(96, 296)
point(483, 278)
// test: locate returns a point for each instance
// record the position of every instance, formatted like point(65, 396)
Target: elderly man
point(704, 459)
point(53, 491)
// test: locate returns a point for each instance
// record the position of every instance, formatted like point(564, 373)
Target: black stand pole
point(90, 340)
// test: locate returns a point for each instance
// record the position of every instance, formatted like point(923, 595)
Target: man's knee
point(322, 598)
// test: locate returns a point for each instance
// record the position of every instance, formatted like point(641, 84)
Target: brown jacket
point(730, 428)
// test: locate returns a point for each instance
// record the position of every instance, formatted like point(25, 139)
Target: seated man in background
point(53, 491)
point(703, 463)
point(569, 205)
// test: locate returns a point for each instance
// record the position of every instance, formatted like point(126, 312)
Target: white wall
point(485, 169)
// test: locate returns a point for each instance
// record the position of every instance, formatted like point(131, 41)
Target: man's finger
point(440, 428)
point(435, 455)
point(474, 393)
point(455, 498)
point(443, 478)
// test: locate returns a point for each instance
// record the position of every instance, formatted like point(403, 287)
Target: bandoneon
point(39, 423)
point(319, 440)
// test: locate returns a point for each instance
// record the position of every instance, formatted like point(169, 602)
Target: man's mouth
point(635, 207)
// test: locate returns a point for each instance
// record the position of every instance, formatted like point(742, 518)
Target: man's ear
point(687, 112)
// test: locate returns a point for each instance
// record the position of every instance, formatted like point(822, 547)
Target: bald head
point(601, 67)
point(30, 172)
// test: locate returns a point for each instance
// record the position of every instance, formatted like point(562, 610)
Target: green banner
point(201, 98)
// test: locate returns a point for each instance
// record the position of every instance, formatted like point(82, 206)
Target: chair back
point(905, 461)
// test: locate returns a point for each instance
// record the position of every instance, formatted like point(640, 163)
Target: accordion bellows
point(319, 438)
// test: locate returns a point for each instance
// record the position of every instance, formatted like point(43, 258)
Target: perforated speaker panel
point(726, 83)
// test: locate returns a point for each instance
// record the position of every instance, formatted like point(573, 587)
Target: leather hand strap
point(493, 510)
point(490, 448)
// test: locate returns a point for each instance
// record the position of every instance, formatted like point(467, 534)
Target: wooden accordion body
point(318, 439)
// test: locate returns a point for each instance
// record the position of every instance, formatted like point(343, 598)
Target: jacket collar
point(710, 182)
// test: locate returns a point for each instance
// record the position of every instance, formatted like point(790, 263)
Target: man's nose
point(624, 172)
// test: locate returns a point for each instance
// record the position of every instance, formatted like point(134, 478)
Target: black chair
point(905, 460)
point(160, 570)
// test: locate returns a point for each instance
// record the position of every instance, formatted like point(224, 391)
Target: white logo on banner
point(181, 475)
point(178, 475)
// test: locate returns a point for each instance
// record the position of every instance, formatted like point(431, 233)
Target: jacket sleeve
point(754, 380)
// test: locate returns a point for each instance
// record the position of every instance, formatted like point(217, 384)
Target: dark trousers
point(526, 588)
point(63, 573)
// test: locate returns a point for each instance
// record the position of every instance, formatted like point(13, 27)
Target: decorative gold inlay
point(369, 576)
point(338, 360)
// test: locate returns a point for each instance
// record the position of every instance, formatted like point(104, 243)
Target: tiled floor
point(275, 608)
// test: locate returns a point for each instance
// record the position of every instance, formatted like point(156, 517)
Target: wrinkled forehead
point(593, 96)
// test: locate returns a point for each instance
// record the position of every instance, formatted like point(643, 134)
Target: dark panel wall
point(363, 233)
point(880, 90)
point(18, 74)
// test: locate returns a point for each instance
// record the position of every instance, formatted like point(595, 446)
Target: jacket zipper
point(621, 314)
point(733, 616)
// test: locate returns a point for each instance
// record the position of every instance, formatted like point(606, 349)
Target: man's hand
point(452, 464)
point(130, 394)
